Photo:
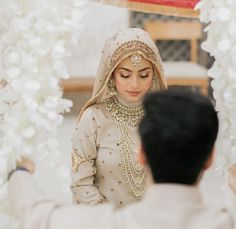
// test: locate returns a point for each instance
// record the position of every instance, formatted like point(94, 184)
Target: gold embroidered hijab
point(117, 48)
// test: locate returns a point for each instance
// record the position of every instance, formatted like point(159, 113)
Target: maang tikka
point(136, 59)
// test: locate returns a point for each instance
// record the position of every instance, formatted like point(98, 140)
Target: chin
point(134, 99)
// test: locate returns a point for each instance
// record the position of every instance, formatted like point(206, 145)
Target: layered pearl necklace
point(134, 174)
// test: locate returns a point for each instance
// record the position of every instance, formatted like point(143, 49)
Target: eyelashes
point(125, 76)
point(142, 76)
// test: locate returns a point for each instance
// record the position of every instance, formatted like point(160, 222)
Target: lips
point(133, 93)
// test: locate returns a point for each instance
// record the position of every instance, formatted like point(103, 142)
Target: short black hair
point(178, 132)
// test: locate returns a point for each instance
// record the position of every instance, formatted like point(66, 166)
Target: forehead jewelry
point(136, 58)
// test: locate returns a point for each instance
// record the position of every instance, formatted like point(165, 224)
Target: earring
point(153, 87)
point(111, 87)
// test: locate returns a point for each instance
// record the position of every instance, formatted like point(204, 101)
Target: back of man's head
point(178, 133)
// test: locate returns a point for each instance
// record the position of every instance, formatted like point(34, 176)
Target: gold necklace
point(130, 115)
point(135, 175)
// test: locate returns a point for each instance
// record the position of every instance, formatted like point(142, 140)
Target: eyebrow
point(128, 70)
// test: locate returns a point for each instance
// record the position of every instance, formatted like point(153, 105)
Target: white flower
point(223, 14)
point(53, 83)
point(207, 46)
point(5, 221)
point(52, 115)
point(29, 132)
point(232, 29)
point(3, 165)
point(215, 71)
point(34, 42)
point(12, 57)
point(60, 68)
point(221, 44)
point(30, 103)
point(32, 85)
point(224, 45)
point(22, 24)
point(52, 143)
point(7, 39)
point(231, 3)
point(58, 50)
point(67, 104)
point(51, 102)
point(13, 72)
point(213, 15)
point(232, 75)
point(232, 114)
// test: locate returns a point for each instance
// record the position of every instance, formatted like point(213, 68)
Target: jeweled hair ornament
point(136, 58)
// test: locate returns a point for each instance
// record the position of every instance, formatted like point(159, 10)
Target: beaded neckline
point(130, 115)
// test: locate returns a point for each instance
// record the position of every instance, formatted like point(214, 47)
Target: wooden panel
point(173, 30)
point(77, 84)
point(152, 8)
point(194, 49)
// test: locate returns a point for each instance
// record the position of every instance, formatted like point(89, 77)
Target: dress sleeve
point(34, 210)
point(84, 154)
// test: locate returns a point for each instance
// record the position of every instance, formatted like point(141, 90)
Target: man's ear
point(141, 155)
point(210, 159)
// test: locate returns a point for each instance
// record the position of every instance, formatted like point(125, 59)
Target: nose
point(134, 83)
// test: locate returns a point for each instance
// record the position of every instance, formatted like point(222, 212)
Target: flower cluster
point(35, 39)
point(221, 44)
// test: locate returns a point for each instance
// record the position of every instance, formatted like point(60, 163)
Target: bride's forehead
point(127, 63)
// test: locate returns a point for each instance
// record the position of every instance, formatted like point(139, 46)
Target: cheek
point(119, 83)
point(148, 83)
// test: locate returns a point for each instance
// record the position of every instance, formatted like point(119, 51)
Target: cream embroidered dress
point(104, 155)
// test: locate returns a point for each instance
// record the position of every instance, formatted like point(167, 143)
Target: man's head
point(178, 133)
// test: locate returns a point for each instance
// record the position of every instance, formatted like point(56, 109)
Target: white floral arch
point(221, 44)
point(35, 38)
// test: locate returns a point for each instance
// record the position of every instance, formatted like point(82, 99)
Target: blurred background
point(100, 22)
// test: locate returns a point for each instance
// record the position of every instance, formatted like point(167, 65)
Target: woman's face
point(133, 81)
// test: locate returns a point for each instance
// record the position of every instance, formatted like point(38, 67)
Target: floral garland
point(35, 39)
point(221, 44)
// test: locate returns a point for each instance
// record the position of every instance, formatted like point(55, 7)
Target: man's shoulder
point(222, 216)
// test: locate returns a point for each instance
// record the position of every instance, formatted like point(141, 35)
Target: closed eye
point(125, 76)
point(144, 75)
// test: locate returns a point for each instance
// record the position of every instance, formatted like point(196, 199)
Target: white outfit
point(96, 157)
point(165, 206)
point(98, 173)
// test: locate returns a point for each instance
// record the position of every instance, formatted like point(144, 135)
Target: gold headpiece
point(136, 58)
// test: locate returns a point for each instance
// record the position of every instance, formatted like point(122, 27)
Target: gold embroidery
point(101, 201)
point(76, 161)
point(132, 47)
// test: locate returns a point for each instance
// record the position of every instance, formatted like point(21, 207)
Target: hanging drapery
point(181, 8)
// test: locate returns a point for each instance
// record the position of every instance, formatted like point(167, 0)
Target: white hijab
point(117, 48)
